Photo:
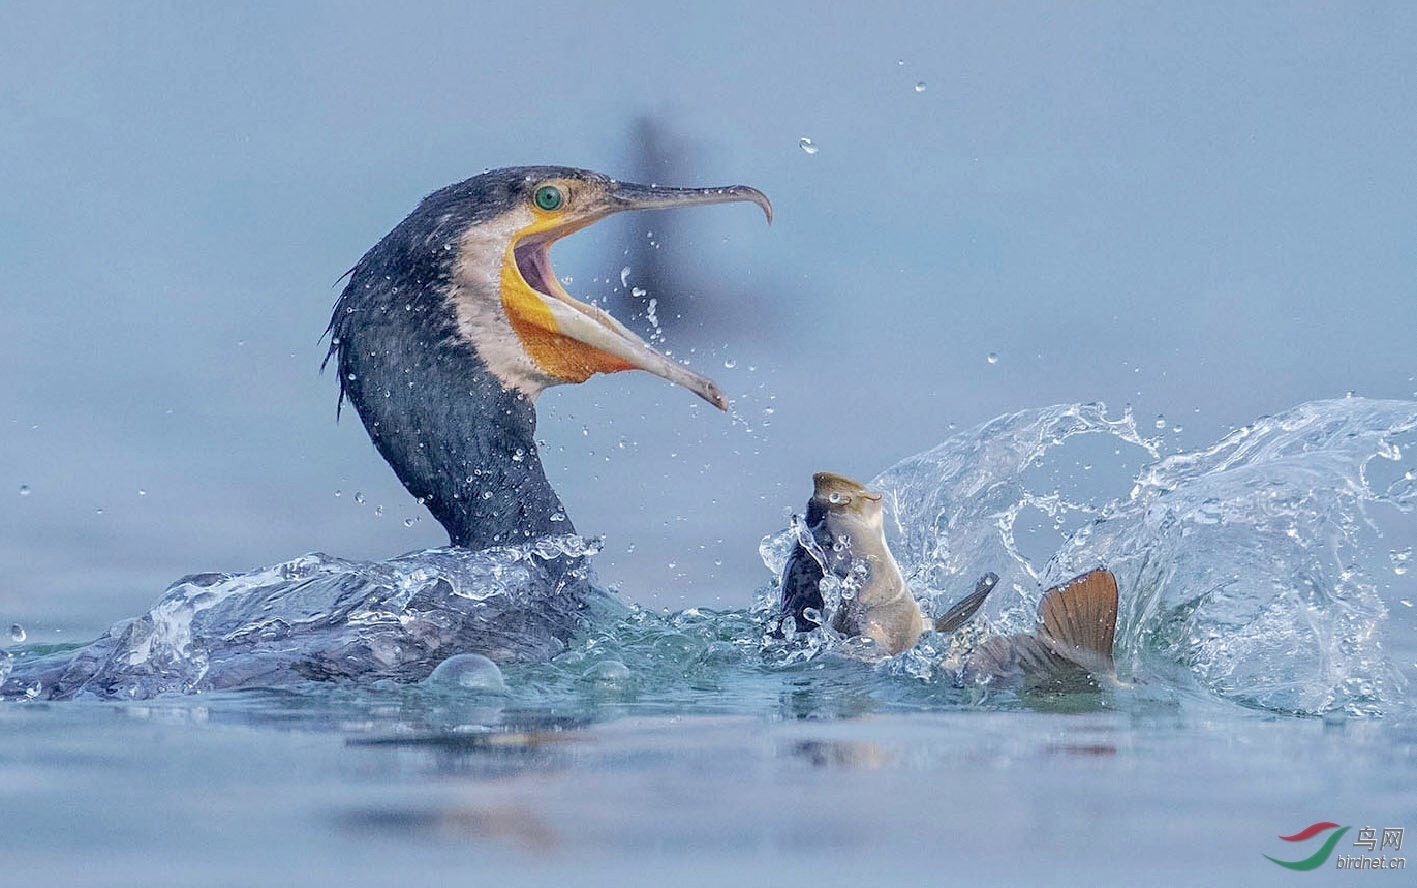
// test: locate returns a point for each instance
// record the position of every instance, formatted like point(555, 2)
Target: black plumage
point(461, 442)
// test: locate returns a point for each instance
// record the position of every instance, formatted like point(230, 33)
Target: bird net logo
point(1369, 838)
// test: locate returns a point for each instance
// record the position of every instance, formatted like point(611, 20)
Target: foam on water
point(1252, 571)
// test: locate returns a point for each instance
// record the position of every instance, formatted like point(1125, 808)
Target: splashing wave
point(319, 617)
point(1254, 566)
point(1253, 570)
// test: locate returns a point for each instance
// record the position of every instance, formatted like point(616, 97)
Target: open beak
point(570, 339)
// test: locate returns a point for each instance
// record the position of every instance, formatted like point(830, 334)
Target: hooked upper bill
point(568, 339)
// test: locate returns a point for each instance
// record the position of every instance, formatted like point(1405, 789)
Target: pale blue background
point(1207, 211)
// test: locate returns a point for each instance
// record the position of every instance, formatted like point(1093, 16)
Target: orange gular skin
point(554, 353)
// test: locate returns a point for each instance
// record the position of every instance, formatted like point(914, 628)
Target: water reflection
point(518, 826)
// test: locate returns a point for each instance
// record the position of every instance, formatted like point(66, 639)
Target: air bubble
point(992, 357)
point(607, 672)
point(1160, 421)
point(17, 633)
point(359, 497)
point(806, 145)
point(24, 490)
point(920, 86)
point(472, 672)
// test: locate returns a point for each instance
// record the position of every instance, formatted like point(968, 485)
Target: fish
point(846, 524)
point(1072, 642)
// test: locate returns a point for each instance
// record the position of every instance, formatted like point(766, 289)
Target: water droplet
point(806, 145)
point(585, 430)
point(339, 493)
point(638, 292)
point(98, 511)
point(17, 633)
point(142, 492)
point(518, 455)
point(1401, 560)
point(625, 276)
point(409, 522)
point(730, 364)
point(558, 516)
point(920, 86)
point(379, 511)
point(359, 497)
point(992, 357)
point(1160, 421)
point(24, 490)
point(352, 376)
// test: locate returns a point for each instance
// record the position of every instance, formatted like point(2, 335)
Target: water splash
point(324, 618)
point(1250, 566)
point(1251, 571)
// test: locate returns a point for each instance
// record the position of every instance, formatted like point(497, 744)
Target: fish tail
point(1077, 620)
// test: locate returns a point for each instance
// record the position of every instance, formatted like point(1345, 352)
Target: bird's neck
point(458, 440)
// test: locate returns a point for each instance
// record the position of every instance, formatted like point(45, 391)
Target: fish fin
point(1077, 620)
point(966, 607)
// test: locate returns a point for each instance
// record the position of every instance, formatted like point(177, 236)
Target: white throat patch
point(477, 300)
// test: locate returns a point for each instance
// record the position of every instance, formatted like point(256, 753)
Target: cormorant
point(452, 324)
point(445, 334)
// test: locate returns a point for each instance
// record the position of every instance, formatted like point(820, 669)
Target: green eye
point(548, 197)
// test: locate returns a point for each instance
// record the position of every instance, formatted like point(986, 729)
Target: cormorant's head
point(498, 228)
